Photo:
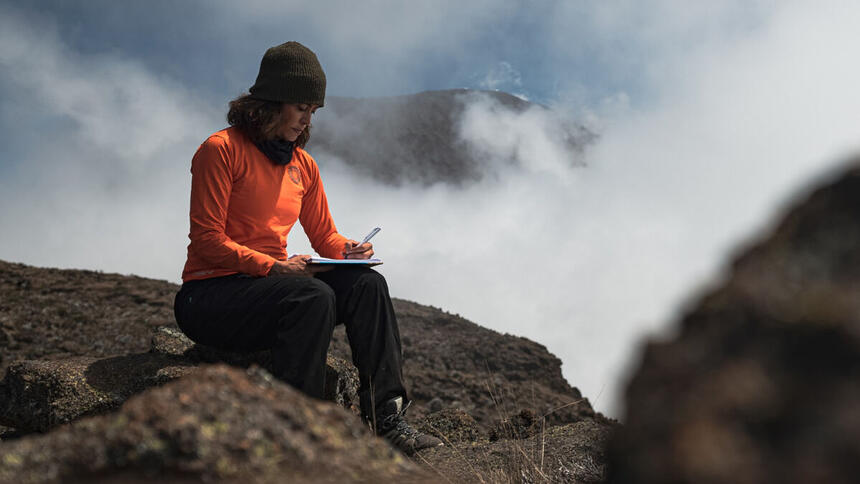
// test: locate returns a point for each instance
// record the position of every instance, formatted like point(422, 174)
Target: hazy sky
point(710, 116)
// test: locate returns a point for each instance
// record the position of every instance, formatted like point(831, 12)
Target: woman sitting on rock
point(250, 183)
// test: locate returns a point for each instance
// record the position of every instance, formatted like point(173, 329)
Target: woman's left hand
point(352, 250)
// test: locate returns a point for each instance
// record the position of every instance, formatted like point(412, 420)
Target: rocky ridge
point(70, 372)
point(38, 395)
point(49, 314)
point(417, 138)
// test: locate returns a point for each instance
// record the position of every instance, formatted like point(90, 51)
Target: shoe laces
point(397, 422)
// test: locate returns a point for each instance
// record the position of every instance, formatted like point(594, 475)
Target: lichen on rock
point(36, 396)
point(223, 424)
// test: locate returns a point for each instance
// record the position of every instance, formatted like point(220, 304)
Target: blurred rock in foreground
point(763, 382)
point(222, 424)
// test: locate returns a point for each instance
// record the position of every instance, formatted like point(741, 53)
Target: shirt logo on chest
point(294, 174)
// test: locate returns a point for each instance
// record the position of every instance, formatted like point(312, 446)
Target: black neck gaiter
point(277, 150)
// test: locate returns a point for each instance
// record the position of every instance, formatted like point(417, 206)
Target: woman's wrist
point(296, 265)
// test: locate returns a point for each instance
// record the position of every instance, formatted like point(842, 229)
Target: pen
point(370, 235)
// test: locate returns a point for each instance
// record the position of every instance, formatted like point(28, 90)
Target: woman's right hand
point(297, 265)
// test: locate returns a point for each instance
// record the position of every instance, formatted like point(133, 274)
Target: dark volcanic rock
point(341, 376)
point(7, 433)
point(52, 313)
point(521, 426)
point(415, 138)
point(480, 371)
point(446, 358)
point(451, 425)
point(223, 425)
point(39, 395)
point(573, 453)
point(763, 382)
point(169, 340)
point(341, 384)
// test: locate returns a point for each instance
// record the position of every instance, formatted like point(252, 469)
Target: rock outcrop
point(341, 376)
point(486, 374)
point(51, 314)
point(224, 424)
point(41, 394)
point(763, 382)
point(37, 395)
point(61, 332)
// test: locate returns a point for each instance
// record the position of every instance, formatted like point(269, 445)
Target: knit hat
point(290, 73)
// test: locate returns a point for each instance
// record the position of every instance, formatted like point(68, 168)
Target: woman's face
point(295, 118)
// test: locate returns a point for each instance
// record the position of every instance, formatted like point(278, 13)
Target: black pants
point(295, 318)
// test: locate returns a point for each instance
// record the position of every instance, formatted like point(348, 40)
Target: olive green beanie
point(290, 73)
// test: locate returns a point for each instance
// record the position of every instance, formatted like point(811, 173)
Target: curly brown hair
point(260, 120)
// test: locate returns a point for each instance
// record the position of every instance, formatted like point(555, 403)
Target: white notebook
point(361, 262)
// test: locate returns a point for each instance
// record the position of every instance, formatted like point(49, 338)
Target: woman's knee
point(373, 279)
point(314, 293)
point(321, 290)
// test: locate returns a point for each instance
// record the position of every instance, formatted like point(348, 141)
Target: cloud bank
point(98, 180)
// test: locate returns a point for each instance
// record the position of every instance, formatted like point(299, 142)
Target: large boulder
point(341, 376)
point(225, 424)
point(762, 383)
point(39, 395)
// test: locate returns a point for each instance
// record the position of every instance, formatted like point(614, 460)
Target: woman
point(250, 183)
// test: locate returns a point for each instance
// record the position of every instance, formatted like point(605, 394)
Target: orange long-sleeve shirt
point(243, 207)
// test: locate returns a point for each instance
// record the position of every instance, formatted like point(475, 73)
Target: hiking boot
point(393, 427)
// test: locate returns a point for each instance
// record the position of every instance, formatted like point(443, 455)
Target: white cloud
point(740, 119)
point(504, 77)
point(536, 138)
point(587, 261)
point(108, 189)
